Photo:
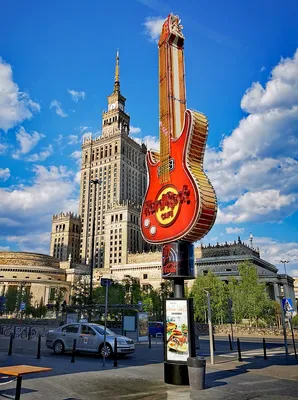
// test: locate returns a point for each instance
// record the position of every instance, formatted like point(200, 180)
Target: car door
point(69, 333)
point(88, 339)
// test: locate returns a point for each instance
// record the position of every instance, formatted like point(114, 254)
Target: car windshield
point(100, 329)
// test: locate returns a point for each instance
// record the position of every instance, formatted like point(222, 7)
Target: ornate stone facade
point(38, 272)
point(65, 236)
point(224, 261)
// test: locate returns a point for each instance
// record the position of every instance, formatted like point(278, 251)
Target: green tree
point(250, 298)
point(80, 294)
point(133, 291)
point(116, 294)
point(11, 299)
point(218, 297)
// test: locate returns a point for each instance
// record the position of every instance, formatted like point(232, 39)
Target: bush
point(295, 321)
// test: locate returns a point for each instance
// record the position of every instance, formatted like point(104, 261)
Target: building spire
point(117, 76)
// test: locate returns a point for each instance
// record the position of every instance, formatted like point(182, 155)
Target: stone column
point(276, 291)
point(46, 295)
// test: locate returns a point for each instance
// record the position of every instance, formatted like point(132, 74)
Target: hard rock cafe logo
point(167, 205)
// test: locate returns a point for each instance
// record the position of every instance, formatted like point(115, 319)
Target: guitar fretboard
point(172, 102)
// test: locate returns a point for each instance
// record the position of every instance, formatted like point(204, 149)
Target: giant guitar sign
point(180, 202)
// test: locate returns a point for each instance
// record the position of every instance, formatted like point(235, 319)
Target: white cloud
point(28, 210)
point(76, 96)
point(36, 242)
point(15, 106)
point(153, 27)
point(281, 90)
point(76, 154)
point(26, 141)
point(262, 68)
point(134, 129)
point(151, 142)
point(4, 174)
point(264, 206)
point(4, 248)
point(230, 230)
point(73, 139)
point(273, 250)
point(41, 156)
point(83, 128)
point(77, 178)
point(57, 107)
point(3, 148)
point(258, 160)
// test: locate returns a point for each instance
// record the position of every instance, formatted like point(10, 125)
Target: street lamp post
point(94, 182)
point(284, 262)
point(207, 291)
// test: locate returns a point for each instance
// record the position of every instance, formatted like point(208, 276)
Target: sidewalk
point(272, 379)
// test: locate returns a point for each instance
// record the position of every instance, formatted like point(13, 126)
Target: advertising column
point(178, 264)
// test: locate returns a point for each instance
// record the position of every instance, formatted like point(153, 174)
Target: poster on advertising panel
point(143, 327)
point(178, 343)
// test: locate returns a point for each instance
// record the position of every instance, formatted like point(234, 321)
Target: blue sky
point(56, 70)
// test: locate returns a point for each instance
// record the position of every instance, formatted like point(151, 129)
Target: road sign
point(106, 282)
point(22, 306)
point(287, 305)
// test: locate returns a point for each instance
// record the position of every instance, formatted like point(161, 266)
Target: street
point(140, 376)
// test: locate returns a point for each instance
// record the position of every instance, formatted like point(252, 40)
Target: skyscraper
point(118, 163)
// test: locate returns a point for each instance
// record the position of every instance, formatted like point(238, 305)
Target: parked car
point(89, 338)
point(155, 327)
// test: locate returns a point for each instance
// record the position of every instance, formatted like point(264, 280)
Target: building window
point(145, 276)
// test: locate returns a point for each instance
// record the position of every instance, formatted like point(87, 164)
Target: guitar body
point(184, 207)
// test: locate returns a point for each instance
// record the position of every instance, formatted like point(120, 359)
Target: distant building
point(41, 275)
point(113, 205)
point(224, 259)
point(65, 237)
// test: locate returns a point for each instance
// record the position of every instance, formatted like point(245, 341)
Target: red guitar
point(180, 202)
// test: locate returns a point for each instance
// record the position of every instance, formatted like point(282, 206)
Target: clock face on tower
point(112, 106)
point(121, 106)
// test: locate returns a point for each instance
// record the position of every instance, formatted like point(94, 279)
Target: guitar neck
point(172, 101)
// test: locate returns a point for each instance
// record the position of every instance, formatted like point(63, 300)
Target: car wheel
point(58, 347)
point(108, 350)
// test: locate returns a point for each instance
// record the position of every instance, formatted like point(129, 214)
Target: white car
point(89, 338)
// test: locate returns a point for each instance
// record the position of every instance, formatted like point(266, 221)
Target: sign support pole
point(105, 331)
point(178, 265)
point(284, 326)
point(210, 327)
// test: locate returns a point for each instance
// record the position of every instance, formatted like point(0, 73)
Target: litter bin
point(196, 372)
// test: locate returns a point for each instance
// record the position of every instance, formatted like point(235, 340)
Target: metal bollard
point(115, 353)
point(213, 342)
point(38, 347)
point(149, 341)
point(29, 333)
point(14, 332)
point(10, 345)
point(230, 341)
point(239, 350)
point(264, 348)
point(74, 347)
point(198, 343)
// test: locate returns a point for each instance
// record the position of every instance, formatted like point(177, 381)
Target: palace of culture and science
point(117, 163)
